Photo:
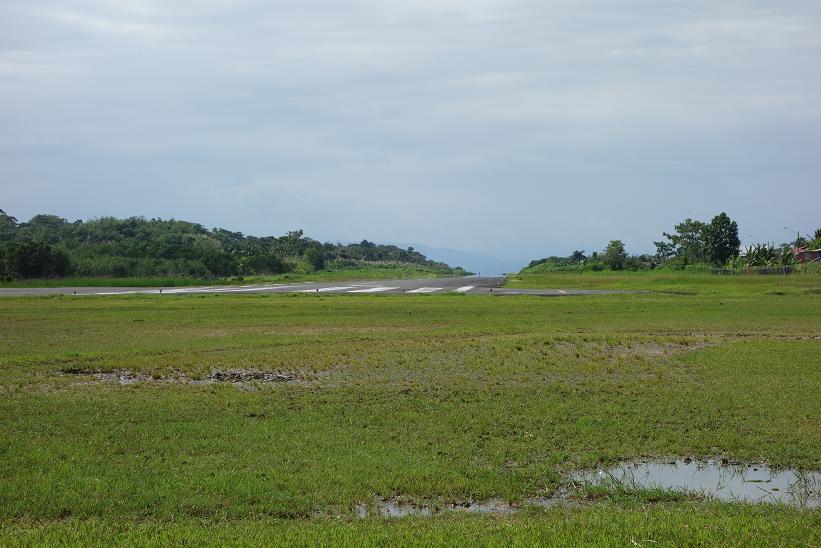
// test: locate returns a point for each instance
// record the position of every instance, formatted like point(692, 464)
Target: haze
point(511, 129)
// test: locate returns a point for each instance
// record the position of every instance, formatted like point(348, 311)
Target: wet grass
point(605, 525)
point(446, 398)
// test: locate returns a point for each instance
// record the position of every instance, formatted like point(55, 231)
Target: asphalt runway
point(428, 286)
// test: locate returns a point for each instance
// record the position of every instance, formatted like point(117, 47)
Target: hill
point(49, 246)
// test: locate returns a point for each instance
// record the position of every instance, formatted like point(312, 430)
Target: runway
point(474, 285)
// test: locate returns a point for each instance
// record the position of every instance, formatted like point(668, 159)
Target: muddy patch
point(228, 376)
point(629, 350)
point(249, 375)
point(398, 507)
point(717, 478)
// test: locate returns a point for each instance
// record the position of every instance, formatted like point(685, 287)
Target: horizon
point(473, 262)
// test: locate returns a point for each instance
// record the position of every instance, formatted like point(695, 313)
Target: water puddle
point(755, 483)
point(399, 508)
point(717, 479)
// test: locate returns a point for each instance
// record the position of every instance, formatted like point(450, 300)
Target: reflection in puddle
point(396, 508)
point(756, 483)
point(727, 482)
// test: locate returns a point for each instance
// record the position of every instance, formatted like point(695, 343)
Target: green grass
point(689, 282)
point(444, 399)
point(680, 524)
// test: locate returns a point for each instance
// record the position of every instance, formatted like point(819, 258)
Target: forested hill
point(49, 246)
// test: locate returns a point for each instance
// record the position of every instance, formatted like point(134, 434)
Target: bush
point(315, 257)
point(34, 260)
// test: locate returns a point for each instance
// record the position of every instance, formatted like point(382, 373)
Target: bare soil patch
point(232, 376)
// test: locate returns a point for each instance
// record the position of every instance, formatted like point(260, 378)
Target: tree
point(8, 225)
point(36, 260)
point(761, 255)
point(615, 255)
point(816, 239)
point(219, 263)
point(665, 250)
point(43, 228)
point(315, 257)
point(721, 240)
point(687, 242)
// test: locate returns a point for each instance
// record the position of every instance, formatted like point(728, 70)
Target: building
point(805, 255)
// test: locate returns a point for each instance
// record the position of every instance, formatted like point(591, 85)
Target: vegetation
point(805, 282)
point(693, 245)
point(667, 525)
point(449, 398)
point(48, 246)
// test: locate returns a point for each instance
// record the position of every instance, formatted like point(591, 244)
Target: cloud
point(516, 127)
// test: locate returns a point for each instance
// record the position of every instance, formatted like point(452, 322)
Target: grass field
point(674, 281)
point(436, 399)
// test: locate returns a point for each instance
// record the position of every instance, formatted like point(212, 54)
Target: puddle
point(399, 508)
point(756, 483)
point(718, 479)
point(247, 375)
point(233, 376)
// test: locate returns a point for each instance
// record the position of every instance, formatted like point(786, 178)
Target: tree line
point(51, 246)
point(692, 244)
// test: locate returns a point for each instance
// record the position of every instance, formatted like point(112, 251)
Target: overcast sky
point(509, 128)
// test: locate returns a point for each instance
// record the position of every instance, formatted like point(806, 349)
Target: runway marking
point(263, 288)
point(464, 289)
point(190, 290)
point(562, 291)
point(323, 289)
point(124, 292)
point(373, 290)
point(426, 290)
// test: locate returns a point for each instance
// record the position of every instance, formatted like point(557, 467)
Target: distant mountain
point(487, 266)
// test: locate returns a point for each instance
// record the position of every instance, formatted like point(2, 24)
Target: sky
point(513, 129)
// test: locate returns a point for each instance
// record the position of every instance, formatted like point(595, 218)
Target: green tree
point(8, 227)
point(615, 255)
point(721, 240)
point(315, 257)
point(816, 239)
point(36, 260)
point(762, 255)
point(664, 250)
point(687, 241)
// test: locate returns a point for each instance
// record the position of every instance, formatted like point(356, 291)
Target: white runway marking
point(373, 290)
point(323, 289)
point(562, 291)
point(464, 289)
point(263, 288)
point(426, 290)
point(124, 292)
point(190, 290)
